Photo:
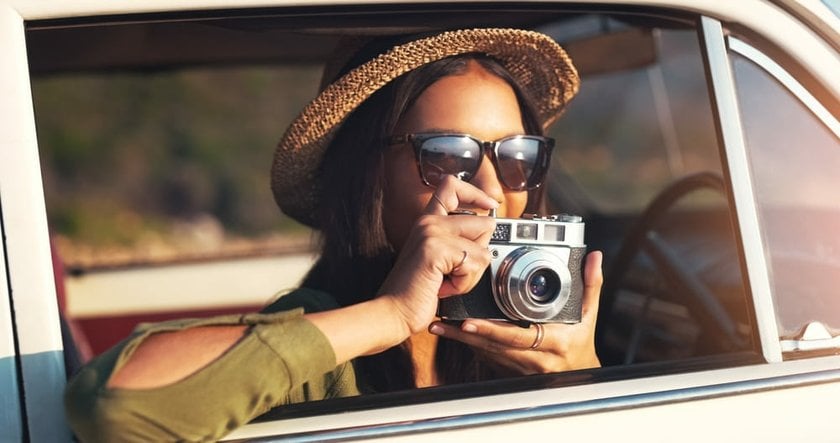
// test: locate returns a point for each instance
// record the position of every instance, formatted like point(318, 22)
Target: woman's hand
point(563, 346)
point(443, 255)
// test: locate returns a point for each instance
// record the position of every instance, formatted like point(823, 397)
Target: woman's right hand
point(431, 264)
point(443, 255)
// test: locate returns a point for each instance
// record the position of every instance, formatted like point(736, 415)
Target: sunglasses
point(521, 161)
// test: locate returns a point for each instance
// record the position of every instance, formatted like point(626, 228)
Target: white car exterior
point(779, 399)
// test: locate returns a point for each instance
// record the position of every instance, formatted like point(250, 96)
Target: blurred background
point(155, 166)
point(156, 173)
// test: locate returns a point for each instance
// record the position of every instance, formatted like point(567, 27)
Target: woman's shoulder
point(311, 300)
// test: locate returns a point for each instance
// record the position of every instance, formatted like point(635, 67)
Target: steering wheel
point(678, 279)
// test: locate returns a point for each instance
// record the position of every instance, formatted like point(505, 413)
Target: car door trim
point(30, 284)
point(736, 166)
point(791, 84)
point(610, 404)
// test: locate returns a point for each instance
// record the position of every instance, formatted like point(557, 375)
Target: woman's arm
point(202, 381)
point(429, 266)
point(282, 358)
point(168, 357)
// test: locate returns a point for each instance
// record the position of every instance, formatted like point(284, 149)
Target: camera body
point(534, 274)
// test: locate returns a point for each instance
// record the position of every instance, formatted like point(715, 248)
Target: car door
point(676, 107)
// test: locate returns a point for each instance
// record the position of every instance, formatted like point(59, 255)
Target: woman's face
point(476, 103)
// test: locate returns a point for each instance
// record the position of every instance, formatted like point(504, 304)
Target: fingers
point(477, 229)
point(443, 255)
point(452, 194)
point(492, 336)
point(456, 246)
point(440, 257)
point(593, 279)
point(563, 346)
point(510, 346)
point(466, 270)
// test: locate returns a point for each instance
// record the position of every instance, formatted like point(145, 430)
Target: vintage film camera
point(534, 275)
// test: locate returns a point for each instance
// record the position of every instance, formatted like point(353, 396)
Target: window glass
point(156, 172)
point(155, 165)
point(632, 131)
point(156, 186)
point(795, 161)
point(636, 155)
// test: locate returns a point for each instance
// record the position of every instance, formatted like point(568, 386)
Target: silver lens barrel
point(532, 284)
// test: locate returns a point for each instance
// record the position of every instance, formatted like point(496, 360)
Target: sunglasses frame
point(417, 139)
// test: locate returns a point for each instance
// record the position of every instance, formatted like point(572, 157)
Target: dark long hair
point(355, 253)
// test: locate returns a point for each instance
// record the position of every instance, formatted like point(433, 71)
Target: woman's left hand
point(563, 347)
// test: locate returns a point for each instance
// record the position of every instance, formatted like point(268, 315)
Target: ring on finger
point(461, 263)
point(440, 202)
point(539, 338)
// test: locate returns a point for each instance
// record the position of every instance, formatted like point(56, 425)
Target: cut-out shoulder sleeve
point(282, 359)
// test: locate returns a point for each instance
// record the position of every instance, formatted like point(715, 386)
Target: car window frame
point(11, 420)
point(786, 80)
point(737, 174)
point(26, 252)
point(817, 110)
point(28, 263)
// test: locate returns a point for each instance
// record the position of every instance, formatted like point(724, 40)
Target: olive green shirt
point(282, 359)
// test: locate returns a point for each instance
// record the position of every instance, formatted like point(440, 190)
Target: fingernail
point(469, 327)
point(436, 329)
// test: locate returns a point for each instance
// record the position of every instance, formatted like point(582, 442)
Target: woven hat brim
point(297, 158)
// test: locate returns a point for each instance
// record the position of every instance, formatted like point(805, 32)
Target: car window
point(637, 157)
point(156, 186)
point(165, 164)
point(793, 144)
point(658, 126)
point(158, 164)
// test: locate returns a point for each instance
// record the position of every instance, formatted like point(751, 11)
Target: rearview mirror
point(613, 52)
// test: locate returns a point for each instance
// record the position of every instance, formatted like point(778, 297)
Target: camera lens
point(543, 285)
point(531, 284)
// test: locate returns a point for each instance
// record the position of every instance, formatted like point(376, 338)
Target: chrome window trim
point(791, 84)
point(560, 410)
point(731, 139)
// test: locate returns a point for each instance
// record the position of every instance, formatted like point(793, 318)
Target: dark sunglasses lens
point(449, 155)
point(519, 162)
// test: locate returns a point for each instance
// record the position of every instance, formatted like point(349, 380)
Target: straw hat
point(536, 61)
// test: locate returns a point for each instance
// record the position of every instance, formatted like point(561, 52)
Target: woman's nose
point(487, 180)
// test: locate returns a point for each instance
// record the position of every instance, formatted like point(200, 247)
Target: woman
point(376, 163)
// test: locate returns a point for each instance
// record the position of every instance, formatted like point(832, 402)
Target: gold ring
point(461, 263)
point(440, 202)
point(539, 338)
